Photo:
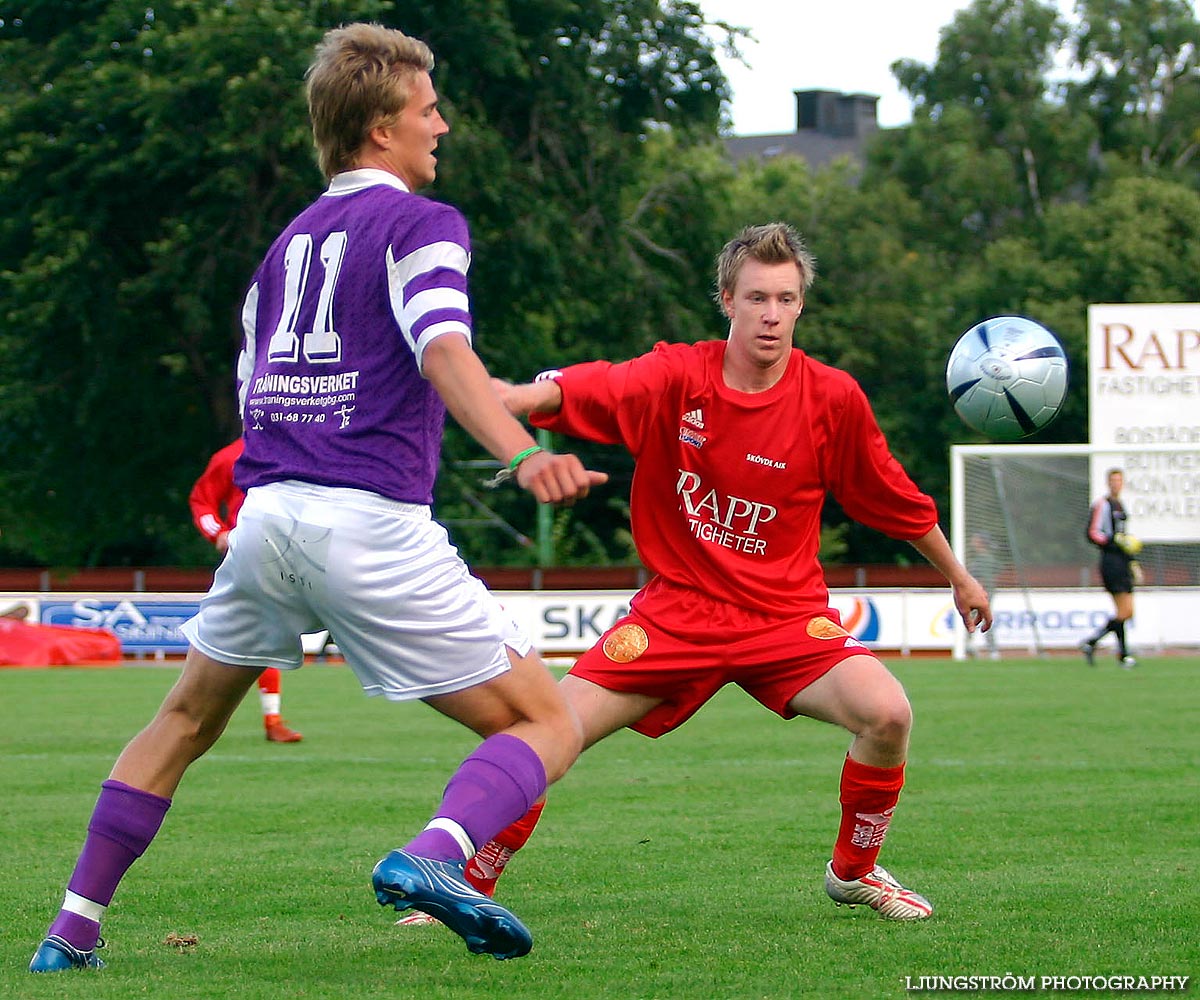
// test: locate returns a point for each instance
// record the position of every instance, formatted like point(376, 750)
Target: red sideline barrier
point(23, 645)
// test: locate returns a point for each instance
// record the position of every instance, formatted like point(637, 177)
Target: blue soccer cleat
point(439, 888)
point(58, 955)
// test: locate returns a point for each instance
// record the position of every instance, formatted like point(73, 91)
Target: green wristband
point(504, 475)
point(520, 456)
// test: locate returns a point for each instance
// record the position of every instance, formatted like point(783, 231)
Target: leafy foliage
point(148, 155)
point(1142, 87)
point(147, 159)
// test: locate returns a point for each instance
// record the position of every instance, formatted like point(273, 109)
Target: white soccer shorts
point(381, 575)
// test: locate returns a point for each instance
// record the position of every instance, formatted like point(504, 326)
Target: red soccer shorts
point(683, 646)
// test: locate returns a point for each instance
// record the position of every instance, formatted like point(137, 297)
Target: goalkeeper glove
point(1128, 544)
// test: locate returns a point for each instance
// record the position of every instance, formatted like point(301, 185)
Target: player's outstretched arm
point(970, 597)
point(468, 391)
point(543, 396)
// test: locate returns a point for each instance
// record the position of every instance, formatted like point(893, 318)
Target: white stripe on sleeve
point(431, 300)
point(245, 361)
point(435, 330)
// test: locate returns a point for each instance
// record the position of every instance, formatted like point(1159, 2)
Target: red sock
point(869, 794)
point(268, 695)
point(486, 867)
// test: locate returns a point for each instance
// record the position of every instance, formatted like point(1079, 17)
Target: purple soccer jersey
point(336, 322)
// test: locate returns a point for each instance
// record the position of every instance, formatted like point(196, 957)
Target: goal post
point(1018, 519)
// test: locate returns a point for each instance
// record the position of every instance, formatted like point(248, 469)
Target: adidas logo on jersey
point(695, 418)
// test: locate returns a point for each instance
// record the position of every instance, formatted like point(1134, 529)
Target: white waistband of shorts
point(346, 496)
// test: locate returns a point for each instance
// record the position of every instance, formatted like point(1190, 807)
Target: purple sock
point(123, 823)
point(492, 788)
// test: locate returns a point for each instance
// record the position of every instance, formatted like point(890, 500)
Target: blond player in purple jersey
point(357, 342)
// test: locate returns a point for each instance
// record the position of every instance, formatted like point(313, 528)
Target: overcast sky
point(843, 45)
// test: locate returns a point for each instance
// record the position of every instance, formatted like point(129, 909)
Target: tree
point(149, 155)
point(966, 186)
point(1137, 241)
point(1142, 81)
point(994, 60)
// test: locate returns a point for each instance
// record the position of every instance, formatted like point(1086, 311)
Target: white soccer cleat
point(880, 892)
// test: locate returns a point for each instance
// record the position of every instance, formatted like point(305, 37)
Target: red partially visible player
point(737, 443)
point(215, 502)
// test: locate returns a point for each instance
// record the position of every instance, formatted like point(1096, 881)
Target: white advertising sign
point(1144, 384)
point(1061, 619)
point(571, 621)
point(565, 623)
point(920, 620)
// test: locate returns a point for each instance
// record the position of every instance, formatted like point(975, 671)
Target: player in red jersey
point(215, 502)
point(737, 443)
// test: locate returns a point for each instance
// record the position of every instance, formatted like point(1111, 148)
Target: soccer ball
point(1007, 377)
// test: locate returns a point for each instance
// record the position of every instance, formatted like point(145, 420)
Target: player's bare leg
point(191, 718)
point(602, 712)
point(861, 695)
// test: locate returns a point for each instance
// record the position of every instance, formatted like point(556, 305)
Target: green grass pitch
point(1050, 815)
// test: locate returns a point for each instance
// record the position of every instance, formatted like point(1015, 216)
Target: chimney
point(834, 114)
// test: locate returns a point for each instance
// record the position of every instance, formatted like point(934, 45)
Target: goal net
point(1019, 517)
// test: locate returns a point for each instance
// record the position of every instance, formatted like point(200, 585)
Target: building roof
point(829, 126)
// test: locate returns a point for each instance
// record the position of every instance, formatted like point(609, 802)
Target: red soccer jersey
point(214, 500)
point(728, 486)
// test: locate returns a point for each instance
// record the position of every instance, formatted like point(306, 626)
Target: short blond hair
point(361, 76)
point(773, 243)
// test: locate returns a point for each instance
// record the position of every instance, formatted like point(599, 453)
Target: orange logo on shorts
point(823, 628)
point(626, 643)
